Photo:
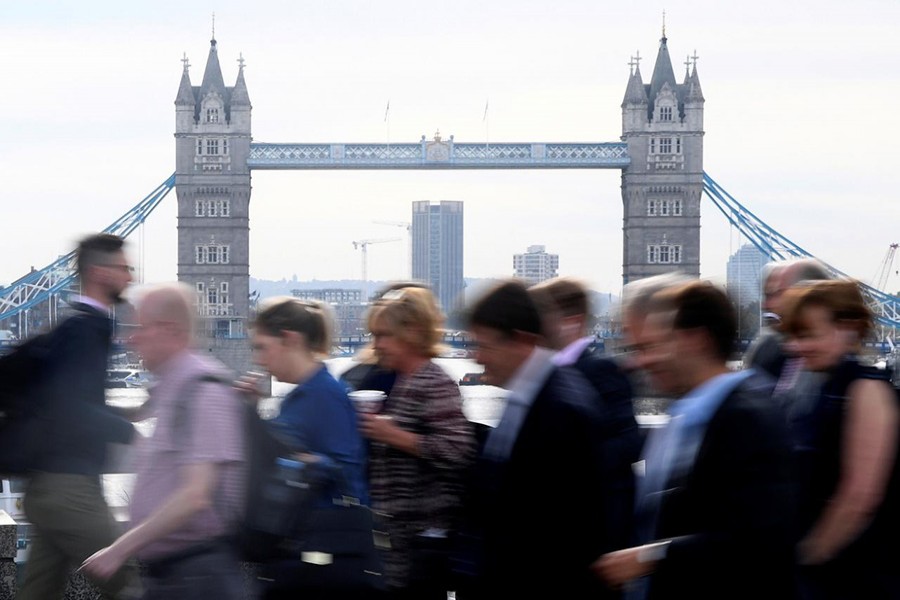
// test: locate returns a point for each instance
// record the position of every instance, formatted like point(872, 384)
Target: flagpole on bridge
point(387, 122)
point(487, 125)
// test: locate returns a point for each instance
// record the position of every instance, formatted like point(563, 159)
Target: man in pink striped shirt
point(190, 475)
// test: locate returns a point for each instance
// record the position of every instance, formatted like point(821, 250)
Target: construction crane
point(884, 272)
point(364, 246)
point(407, 260)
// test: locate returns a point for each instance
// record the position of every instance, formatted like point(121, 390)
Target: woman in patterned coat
point(421, 446)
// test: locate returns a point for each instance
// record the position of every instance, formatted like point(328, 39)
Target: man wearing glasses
point(64, 498)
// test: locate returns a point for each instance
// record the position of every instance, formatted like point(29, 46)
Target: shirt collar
point(569, 355)
point(700, 403)
point(531, 375)
point(93, 303)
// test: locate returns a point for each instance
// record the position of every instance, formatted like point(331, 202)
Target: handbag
point(333, 553)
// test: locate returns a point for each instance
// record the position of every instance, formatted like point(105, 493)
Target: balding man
point(188, 492)
point(767, 352)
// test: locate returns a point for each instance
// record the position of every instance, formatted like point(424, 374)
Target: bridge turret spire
point(662, 71)
point(239, 95)
point(635, 93)
point(212, 77)
point(185, 96)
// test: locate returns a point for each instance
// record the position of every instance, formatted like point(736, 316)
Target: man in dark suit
point(539, 488)
point(564, 307)
point(64, 498)
point(715, 504)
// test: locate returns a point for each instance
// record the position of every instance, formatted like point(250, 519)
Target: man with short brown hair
point(64, 499)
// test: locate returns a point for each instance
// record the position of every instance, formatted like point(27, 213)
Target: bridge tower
point(662, 123)
point(212, 182)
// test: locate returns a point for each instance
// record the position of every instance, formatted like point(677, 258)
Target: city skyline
point(87, 134)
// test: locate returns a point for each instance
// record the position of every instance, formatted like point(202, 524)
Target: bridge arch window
point(652, 207)
point(212, 115)
point(199, 146)
point(212, 147)
point(665, 113)
point(676, 208)
point(204, 207)
point(213, 254)
point(664, 253)
point(665, 145)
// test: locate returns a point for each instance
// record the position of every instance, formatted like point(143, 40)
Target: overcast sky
point(801, 122)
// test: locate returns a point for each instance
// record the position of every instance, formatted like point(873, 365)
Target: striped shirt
point(196, 422)
point(415, 494)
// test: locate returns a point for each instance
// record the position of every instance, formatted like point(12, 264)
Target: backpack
point(277, 489)
point(22, 404)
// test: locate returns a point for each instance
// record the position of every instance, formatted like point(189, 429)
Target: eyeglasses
point(121, 267)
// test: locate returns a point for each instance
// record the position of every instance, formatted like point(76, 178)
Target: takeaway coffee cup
point(368, 401)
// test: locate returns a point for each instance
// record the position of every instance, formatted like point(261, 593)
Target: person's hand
point(378, 428)
point(618, 568)
point(249, 385)
point(103, 564)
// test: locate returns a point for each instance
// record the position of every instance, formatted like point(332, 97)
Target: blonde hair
point(309, 318)
point(413, 316)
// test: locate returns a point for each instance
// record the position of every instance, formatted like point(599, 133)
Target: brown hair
point(412, 315)
point(841, 298)
point(506, 308)
point(701, 305)
point(310, 318)
point(566, 295)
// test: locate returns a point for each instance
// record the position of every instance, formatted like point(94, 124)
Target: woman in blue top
point(289, 337)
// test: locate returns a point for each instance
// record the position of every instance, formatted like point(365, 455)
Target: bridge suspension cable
point(777, 247)
point(38, 286)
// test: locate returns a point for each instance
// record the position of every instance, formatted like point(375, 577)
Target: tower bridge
point(660, 155)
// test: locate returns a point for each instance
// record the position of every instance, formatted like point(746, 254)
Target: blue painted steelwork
point(438, 154)
point(777, 247)
point(38, 286)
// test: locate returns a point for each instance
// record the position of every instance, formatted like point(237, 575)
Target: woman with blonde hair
point(421, 445)
point(847, 450)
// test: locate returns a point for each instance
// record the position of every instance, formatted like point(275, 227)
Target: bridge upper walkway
point(437, 154)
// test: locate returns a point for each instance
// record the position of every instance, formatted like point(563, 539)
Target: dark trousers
point(211, 571)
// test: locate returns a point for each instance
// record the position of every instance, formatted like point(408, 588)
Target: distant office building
point(536, 265)
point(437, 248)
point(744, 273)
point(329, 295)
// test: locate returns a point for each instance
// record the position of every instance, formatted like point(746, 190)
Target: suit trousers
point(70, 521)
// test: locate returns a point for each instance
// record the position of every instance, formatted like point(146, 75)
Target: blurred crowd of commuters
point(777, 480)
